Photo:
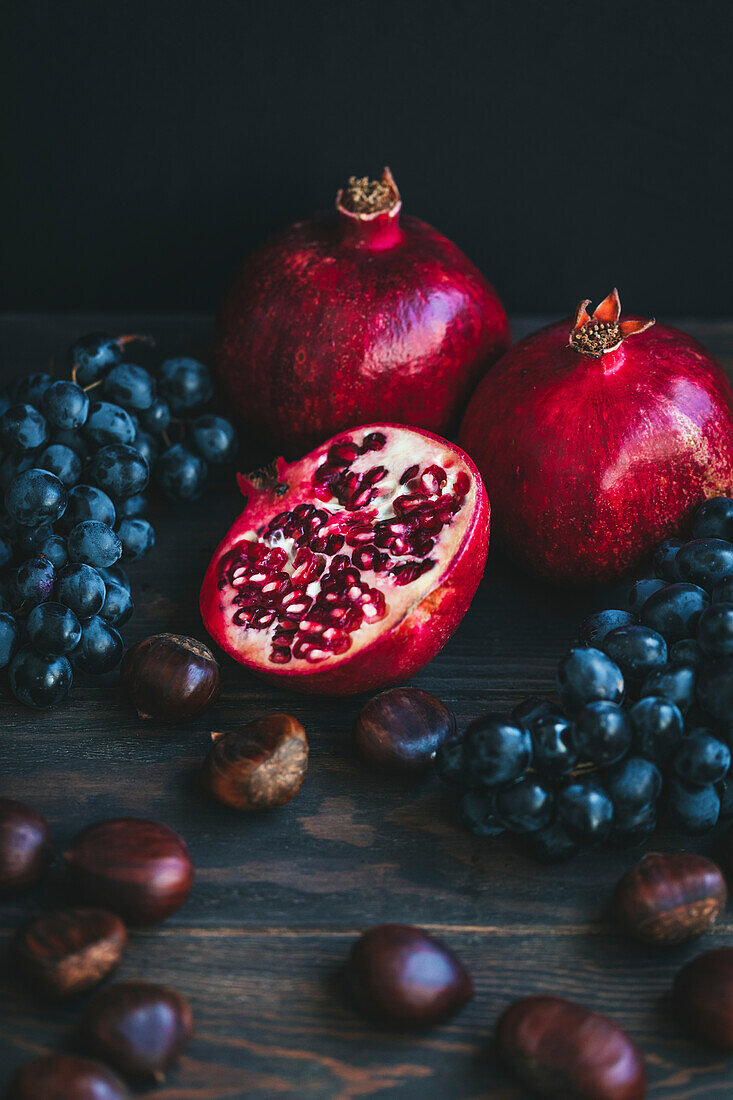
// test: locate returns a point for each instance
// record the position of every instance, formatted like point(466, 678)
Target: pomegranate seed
point(368, 557)
point(342, 453)
point(329, 545)
point(242, 616)
point(262, 618)
point(371, 477)
point(407, 504)
point(373, 442)
point(409, 474)
point(462, 484)
point(358, 535)
point(280, 655)
point(315, 655)
point(361, 499)
point(410, 571)
point(278, 522)
point(433, 479)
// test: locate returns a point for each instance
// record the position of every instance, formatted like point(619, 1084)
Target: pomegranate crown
point(595, 335)
point(367, 198)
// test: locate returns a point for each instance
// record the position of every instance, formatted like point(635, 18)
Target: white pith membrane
point(389, 510)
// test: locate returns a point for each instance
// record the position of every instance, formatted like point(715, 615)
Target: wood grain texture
point(279, 897)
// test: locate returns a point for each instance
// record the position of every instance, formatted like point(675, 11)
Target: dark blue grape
point(705, 561)
point(137, 537)
point(597, 626)
point(30, 390)
point(88, 502)
point(633, 783)
point(53, 547)
point(53, 628)
point(146, 445)
point(29, 540)
point(633, 830)
point(714, 519)
point(94, 543)
point(186, 384)
point(687, 652)
point(39, 681)
point(214, 438)
point(554, 752)
point(157, 418)
point(100, 649)
point(34, 581)
point(640, 592)
point(530, 708)
point(675, 681)
point(715, 690)
point(585, 809)
point(585, 675)
point(118, 606)
point(180, 473)
point(664, 559)
point(61, 461)
point(107, 424)
point(6, 551)
point(701, 758)
point(35, 496)
point(130, 386)
point(496, 751)
point(120, 470)
point(657, 727)
point(74, 440)
point(525, 806)
point(81, 588)
point(91, 356)
point(65, 405)
point(675, 611)
point(692, 809)
point(9, 638)
point(602, 733)
point(115, 575)
point(23, 429)
point(12, 465)
point(132, 507)
point(637, 650)
point(478, 815)
point(715, 631)
point(449, 762)
point(553, 844)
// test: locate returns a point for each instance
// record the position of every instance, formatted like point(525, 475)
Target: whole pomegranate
point(350, 569)
point(353, 316)
point(597, 438)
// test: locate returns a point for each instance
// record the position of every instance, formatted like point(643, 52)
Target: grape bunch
point(76, 458)
point(643, 725)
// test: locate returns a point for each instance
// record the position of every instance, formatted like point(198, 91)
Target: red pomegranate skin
point(341, 321)
point(590, 462)
point(403, 647)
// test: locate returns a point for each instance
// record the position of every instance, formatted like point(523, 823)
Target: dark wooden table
point(279, 898)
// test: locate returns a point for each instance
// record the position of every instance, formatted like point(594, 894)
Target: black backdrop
point(149, 144)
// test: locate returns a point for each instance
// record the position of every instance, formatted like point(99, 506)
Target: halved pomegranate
point(350, 569)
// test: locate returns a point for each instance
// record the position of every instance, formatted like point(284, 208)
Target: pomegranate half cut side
point(351, 568)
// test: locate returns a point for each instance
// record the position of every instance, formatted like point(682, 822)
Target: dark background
point(565, 147)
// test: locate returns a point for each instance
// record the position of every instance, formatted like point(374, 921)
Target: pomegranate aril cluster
point(303, 577)
point(76, 458)
point(643, 727)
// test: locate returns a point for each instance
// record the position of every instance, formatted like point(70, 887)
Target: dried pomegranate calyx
point(367, 198)
point(597, 334)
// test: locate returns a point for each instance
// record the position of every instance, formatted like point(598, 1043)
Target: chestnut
point(702, 992)
point(257, 767)
point(139, 1028)
point(137, 868)
point(170, 677)
point(560, 1048)
point(669, 897)
point(25, 847)
point(70, 950)
point(402, 729)
point(400, 975)
point(66, 1077)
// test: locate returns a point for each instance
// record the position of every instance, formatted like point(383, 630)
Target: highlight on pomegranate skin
point(352, 316)
point(350, 569)
point(597, 437)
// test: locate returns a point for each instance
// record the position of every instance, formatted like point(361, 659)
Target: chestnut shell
point(139, 1028)
point(67, 951)
point(669, 897)
point(170, 677)
point(137, 868)
point(65, 1077)
point(702, 992)
point(258, 767)
point(402, 729)
point(402, 976)
point(562, 1049)
point(25, 847)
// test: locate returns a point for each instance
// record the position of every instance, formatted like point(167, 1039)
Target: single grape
point(81, 588)
point(53, 628)
point(39, 681)
point(53, 547)
point(65, 405)
point(525, 806)
point(115, 574)
point(120, 470)
point(180, 473)
point(36, 496)
point(88, 502)
point(61, 461)
point(132, 507)
point(664, 559)
point(657, 727)
point(214, 438)
point(100, 649)
point(157, 418)
point(637, 650)
point(107, 424)
point(714, 519)
point(585, 809)
point(118, 606)
point(31, 389)
point(91, 356)
point(94, 543)
point(23, 429)
point(496, 751)
point(692, 809)
point(595, 628)
point(585, 675)
point(130, 386)
point(146, 445)
point(478, 814)
point(186, 383)
point(137, 537)
point(9, 638)
point(34, 581)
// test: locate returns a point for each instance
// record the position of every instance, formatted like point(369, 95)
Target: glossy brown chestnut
point(65, 1077)
point(139, 1028)
point(70, 950)
point(25, 847)
point(703, 995)
point(257, 767)
point(170, 677)
point(669, 897)
point(401, 730)
point(137, 868)
point(400, 975)
point(561, 1049)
